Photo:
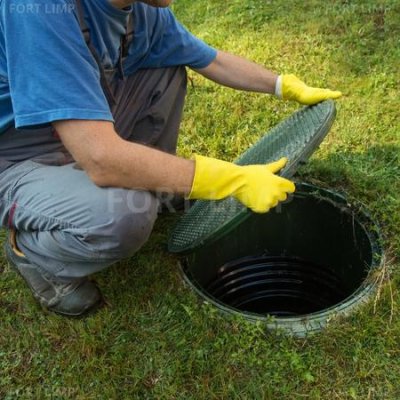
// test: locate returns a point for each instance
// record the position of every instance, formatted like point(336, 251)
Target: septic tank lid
point(295, 138)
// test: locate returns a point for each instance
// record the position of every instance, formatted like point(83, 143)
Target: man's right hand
point(256, 186)
point(114, 162)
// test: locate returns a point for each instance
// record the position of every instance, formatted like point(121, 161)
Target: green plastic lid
point(295, 138)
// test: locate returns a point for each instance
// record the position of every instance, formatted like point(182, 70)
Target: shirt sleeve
point(52, 75)
point(180, 44)
point(165, 42)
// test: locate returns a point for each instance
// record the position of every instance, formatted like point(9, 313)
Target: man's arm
point(239, 73)
point(112, 161)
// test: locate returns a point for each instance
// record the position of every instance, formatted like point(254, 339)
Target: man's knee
point(127, 223)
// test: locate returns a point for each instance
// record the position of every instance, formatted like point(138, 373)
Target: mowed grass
point(155, 339)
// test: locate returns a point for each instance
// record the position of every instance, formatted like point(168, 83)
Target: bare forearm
point(239, 73)
point(135, 166)
point(112, 161)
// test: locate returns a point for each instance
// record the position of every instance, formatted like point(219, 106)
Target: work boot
point(71, 297)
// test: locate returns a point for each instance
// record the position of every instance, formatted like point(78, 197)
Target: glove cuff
point(278, 87)
point(214, 179)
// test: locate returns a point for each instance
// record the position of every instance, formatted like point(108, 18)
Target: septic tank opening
point(278, 286)
point(302, 263)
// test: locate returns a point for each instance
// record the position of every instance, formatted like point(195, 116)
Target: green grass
point(154, 339)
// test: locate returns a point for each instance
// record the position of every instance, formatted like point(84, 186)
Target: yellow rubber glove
point(289, 87)
point(256, 186)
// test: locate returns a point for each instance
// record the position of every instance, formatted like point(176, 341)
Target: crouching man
point(91, 97)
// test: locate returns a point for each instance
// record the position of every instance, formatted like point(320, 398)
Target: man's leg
point(67, 226)
point(150, 106)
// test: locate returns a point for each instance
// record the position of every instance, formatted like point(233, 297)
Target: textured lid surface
point(295, 138)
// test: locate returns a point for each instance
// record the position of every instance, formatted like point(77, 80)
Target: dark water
point(277, 285)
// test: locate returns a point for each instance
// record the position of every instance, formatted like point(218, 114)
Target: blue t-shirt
point(47, 73)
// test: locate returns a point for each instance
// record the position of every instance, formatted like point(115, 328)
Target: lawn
point(154, 339)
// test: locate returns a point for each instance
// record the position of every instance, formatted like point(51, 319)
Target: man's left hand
point(289, 87)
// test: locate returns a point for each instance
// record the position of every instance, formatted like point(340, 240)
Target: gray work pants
point(66, 223)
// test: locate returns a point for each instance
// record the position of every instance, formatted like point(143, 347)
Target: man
point(91, 94)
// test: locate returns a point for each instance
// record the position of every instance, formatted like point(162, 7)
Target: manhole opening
point(307, 256)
